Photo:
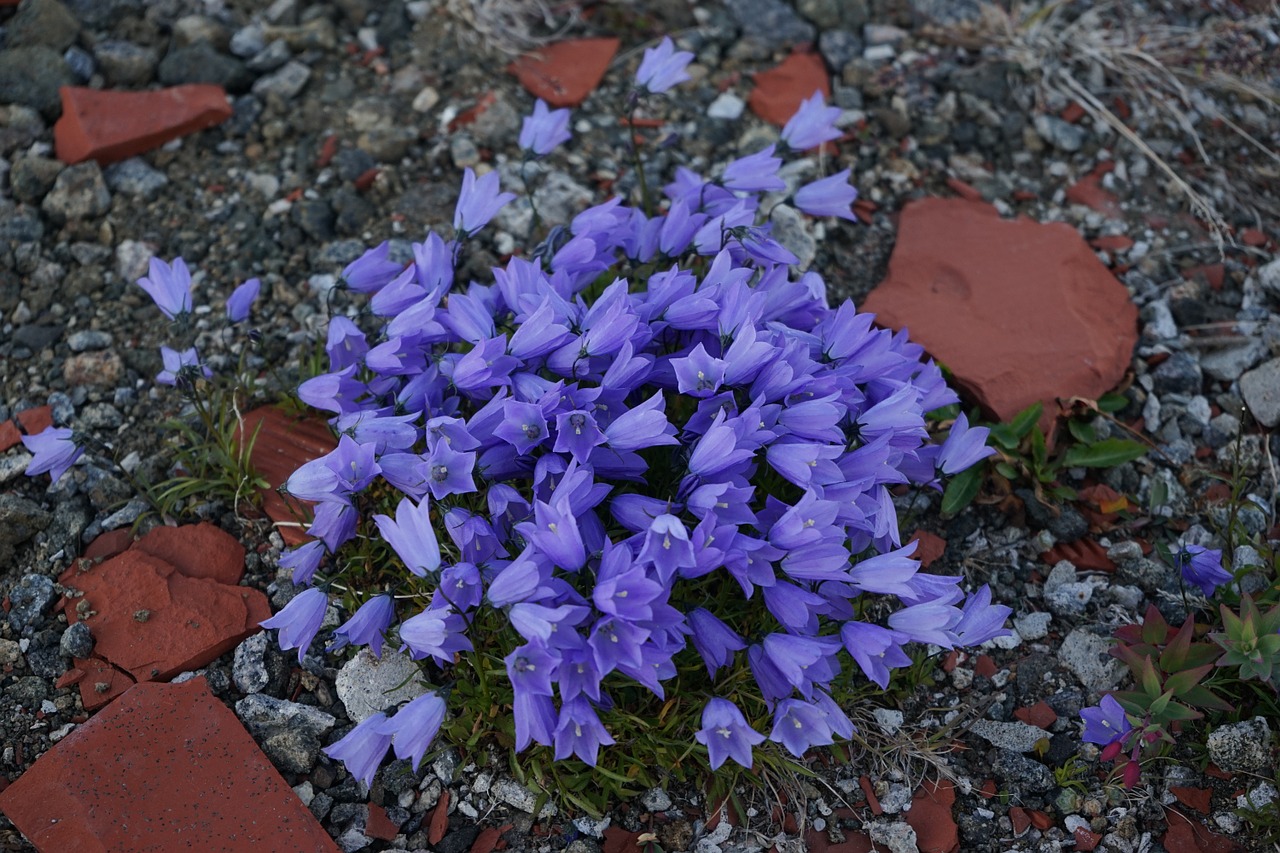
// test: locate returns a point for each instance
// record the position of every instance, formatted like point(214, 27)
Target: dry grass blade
point(1081, 54)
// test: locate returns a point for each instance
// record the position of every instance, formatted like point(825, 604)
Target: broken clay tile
point(197, 550)
point(854, 842)
point(1055, 322)
point(963, 189)
point(1090, 192)
point(1020, 819)
point(35, 421)
point(618, 840)
point(1084, 553)
point(931, 547)
point(100, 683)
point(1197, 798)
point(109, 544)
point(985, 666)
point(486, 841)
point(1112, 243)
point(779, 91)
point(165, 764)
point(378, 825)
point(1188, 835)
point(154, 622)
point(869, 792)
point(1039, 715)
point(1040, 820)
point(1086, 840)
point(439, 820)
point(930, 817)
point(1213, 274)
point(9, 436)
point(564, 73)
point(282, 444)
point(109, 126)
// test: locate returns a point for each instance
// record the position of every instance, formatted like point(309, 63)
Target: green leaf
point(1039, 454)
point(1026, 419)
point(1203, 697)
point(1004, 469)
point(1149, 678)
point(1176, 711)
point(961, 490)
point(1104, 454)
point(1112, 403)
point(1174, 656)
point(1179, 683)
point(1004, 436)
point(1082, 431)
point(1160, 703)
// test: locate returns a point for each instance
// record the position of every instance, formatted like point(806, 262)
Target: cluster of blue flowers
point(633, 436)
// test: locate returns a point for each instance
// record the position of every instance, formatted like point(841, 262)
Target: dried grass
point(1180, 73)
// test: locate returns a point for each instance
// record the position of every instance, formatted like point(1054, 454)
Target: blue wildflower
point(726, 734)
point(1201, 567)
point(663, 67)
point(367, 626)
point(545, 129)
point(831, 196)
point(241, 300)
point(299, 622)
point(169, 287)
point(415, 726)
point(479, 201)
point(363, 748)
point(54, 450)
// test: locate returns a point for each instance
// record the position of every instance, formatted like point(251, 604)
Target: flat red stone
point(1020, 819)
point(1040, 820)
point(779, 91)
point(108, 126)
point(100, 682)
point(930, 817)
point(1188, 835)
point(564, 73)
point(197, 550)
point(1083, 554)
point(37, 420)
point(1089, 192)
point(985, 666)
point(1197, 798)
point(378, 825)
point(439, 820)
point(1112, 243)
point(155, 622)
point(281, 445)
point(931, 547)
point(1039, 715)
point(1086, 840)
point(109, 544)
point(854, 842)
point(166, 767)
point(1019, 311)
point(9, 436)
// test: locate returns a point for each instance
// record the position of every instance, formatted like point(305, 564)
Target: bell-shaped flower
point(367, 626)
point(363, 748)
point(178, 363)
point(875, 649)
point(303, 561)
point(813, 124)
point(800, 726)
point(754, 173)
point(964, 446)
point(832, 196)
point(1106, 724)
point(1201, 567)
point(54, 450)
point(372, 271)
point(641, 426)
point(698, 374)
point(980, 620)
point(577, 434)
point(546, 129)
point(168, 286)
point(554, 532)
point(241, 300)
point(478, 202)
point(436, 633)
point(579, 732)
point(663, 67)
point(535, 717)
point(667, 546)
point(725, 734)
point(415, 726)
point(299, 621)
point(531, 667)
point(715, 641)
point(449, 472)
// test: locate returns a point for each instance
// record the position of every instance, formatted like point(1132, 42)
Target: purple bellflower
point(964, 446)
point(725, 734)
point(1201, 567)
point(169, 286)
point(545, 129)
point(813, 124)
point(175, 362)
point(411, 536)
point(478, 202)
point(241, 300)
point(363, 748)
point(831, 196)
point(799, 727)
point(663, 67)
point(303, 561)
point(367, 626)
point(371, 271)
point(754, 173)
point(1106, 724)
point(54, 450)
point(415, 726)
point(580, 732)
point(300, 620)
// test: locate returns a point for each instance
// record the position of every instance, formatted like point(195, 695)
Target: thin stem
point(645, 200)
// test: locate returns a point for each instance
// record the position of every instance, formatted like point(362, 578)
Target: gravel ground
point(269, 194)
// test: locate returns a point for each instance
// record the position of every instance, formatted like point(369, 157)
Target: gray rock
point(1018, 736)
point(77, 641)
point(1260, 388)
point(771, 22)
point(88, 339)
point(43, 22)
point(190, 29)
point(1061, 134)
point(388, 144)
point(314, 217)
point(498, 124)
point(1024, 772)
point(839, 48)
point(270, 57)
point(897, 836)
point(31, 178)
point(1064, 592)
point(1229, 363)
point(249, 666)
point(133, 258)
point(1269, 278)
point(31, 76)
point(101, 416)
point(1241, 747)
point(202, 63)
point(285, 82)
point(1178, 374)
point(656, 800)
point(80, 62)
point(135, 177)
point(124, 63)
point(44, 655)
point(351, 163)
point(1032, 626)
point(78, 193)
point(247, 41)
point(835, 14)
point(31, 595)
point(1086, 655)
point(727, 106)
point(1158, 322)
point(367, 685)
point(317, 33)
point(877, 34)
point(518, 796)
point(888, 719)
point(288, 732)
point(22, 225)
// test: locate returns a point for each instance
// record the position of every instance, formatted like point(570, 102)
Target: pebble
point(133, 258)
point(1178, 374)
point(270, 57)
point(1229, 363)
point(1032, 626)
point(1064, 592)
point(656, 800)
point(284, 83)
point(367, 685)
point(1241, 747)
point(249, 666)
point(1086, 655)
point(425, 100)
point(88, 339)
point(288, 732)
point(879, 53)
point(77, 641)
point(1061, 134)
point(888, 719)
point(124, 63)
point(726, 106)
point(898, 836)
point(1260, 388)
point(248, 41)
point(78, 193)
point(770, 22)
point(33, 593)
point(1016, 736)
point(518, 796)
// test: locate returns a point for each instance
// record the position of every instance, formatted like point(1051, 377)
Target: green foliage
point(1250, 640)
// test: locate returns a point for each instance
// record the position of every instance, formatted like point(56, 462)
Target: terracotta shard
point(166, 764)
point(564, 73)
point(100, 682)
point(1019, 311)
point(930, 817)
point(282, 444)
point(108, 126)
point(197, 550)
point(152, 621)
point(931, 547)
point(779, 91)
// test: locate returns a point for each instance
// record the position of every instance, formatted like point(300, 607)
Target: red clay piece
point(1089, 192)
point(985, 666)
point(931, 547)
point(167, 767)
point(1083, 553)
point(154, 622)
point(35, 421)
point(378, 825)
point(1039, 715)
point(439, 820)
point(281, 445)
point(99, 682)
point(1020, 819)
point(618, 840)
point(1086, 840)
point(930, 817)
point(780, 90)
point(197, 550)
point(9, 436)
point(1197, 798)
point(109, 544)
point(109, 126)
point(1188, 835)
point(564, 73)
point(1040, 820)
point(1020, 311)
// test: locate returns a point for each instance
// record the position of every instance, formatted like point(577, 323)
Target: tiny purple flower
point(699, 374)
point(364, 747)
point(725, 734)
point(964, 446)
point(663, 67)
point(545, 129)
point(1106, 724)
point(54, 450)
point(1202, 567)
point(241, 300)
point(799, 727)
point(169, 286)
point(415, 726)
point(580, 732)
point(303, 561)
point(478, 202)
point(411, 536)
point(813, 124)
point(367, 626)
point(299, 621)
point(754, 173)
point(175, 361)
point(372, 271)
point(449, 472)
point(828, 197)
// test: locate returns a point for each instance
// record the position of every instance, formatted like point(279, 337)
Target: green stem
point(645, 200)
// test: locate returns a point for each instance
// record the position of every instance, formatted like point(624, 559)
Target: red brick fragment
point(197, 550)
point(779, 91)
point(109, 126)
point(930, 817)
point(9, 435)
point(931, 546)
point(564, 73)
point(1112, 243)
point(1039, 715)
point(281, 445)
point(1188, 835)
point(439, 820)
point(964, 190)
point(1083, 554)
point(985, 666)
point(35, 421)
point(1021, 820)
point(1089, 192)
point(873, 802)
point(1040, 820)
point(1197, 798)
point(1086, 840)
point(378, 825)
point(109, 544)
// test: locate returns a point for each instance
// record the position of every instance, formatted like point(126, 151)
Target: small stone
point(133, 259)
point(425, 100)
point(1260, 388)
point(77, 641)
point(247, 41)
point(727, 106)
point(249, 667)
point(1059, 133)
point(1087, 655)
point(1229, 363)
point(464, 151)
point(270, 57)
point(883, 34)
point(770, 22)
point(1178, 374)
point(202, 63)
point(33, 593)
point(100, 369)
point(367, 684)
point(124, 63)
point(1259, 798)
point(78, 193)
point(284, 83)
point(898, 837)
point(518, 796)
point(1017, 737)
point(1032, 626)
point(136, 178)
point(839, 48)
point(43, 22)
point(656, 800)
point(31, 178)
point(388, 144)
point(888, 719)
point(31, 75)
point(1241, 747)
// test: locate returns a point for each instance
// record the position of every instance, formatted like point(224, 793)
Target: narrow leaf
point(1104, 454)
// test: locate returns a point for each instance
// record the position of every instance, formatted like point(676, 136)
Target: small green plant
point(1022, 454)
